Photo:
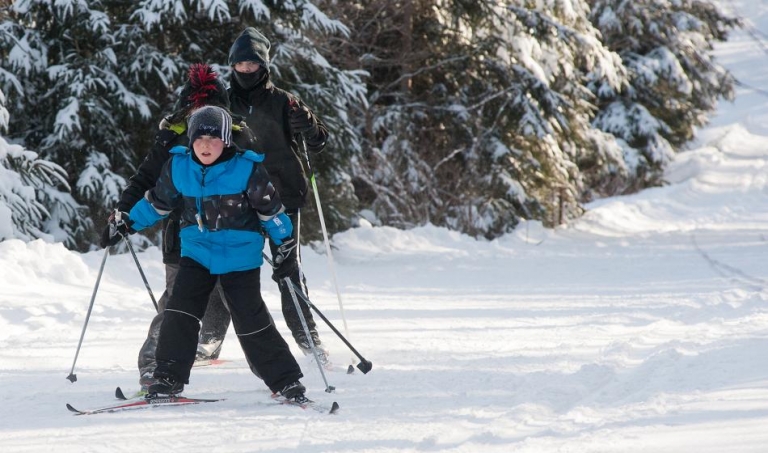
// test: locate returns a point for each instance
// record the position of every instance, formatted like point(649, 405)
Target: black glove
point(302, 121)
point(118, 226)
point(284, 251)
point(165, 137)
point(282, 268)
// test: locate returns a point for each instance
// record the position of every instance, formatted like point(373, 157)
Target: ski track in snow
point(641, 327)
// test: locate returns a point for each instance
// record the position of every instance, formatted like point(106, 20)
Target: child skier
point(225, 198)
point(203, 87)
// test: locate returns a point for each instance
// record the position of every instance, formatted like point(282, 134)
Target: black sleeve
point(164, 197)
point(262, 195)
point(149, 170)
point(243, 136)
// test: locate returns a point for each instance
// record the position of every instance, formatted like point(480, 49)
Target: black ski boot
point(208, 351)
point(306, 348)
point(165, 386)
point(147, 378)
point(294, 392)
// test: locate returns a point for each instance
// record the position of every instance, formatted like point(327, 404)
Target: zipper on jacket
point(199, 216)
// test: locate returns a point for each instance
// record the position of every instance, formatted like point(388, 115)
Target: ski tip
point(351, 369)
point(334, 408)
point(72, 409)
point(119, 394)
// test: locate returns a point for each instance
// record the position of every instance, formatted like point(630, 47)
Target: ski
point(209, 362)
point(139, 401)
point(308, 404)
point(121, 396)
point(333, 368)
point(143, 403)
point(328, 365)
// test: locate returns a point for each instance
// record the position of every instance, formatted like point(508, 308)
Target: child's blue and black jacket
point(222, 207)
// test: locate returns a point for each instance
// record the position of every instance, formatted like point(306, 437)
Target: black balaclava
point(250, 46)
point(248, 80)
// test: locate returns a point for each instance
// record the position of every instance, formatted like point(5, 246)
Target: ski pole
point(72, 376)
point(364, 365)
point(328, 253)
point(288, 282)
point(143, 277)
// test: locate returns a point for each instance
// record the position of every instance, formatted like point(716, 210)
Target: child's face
point(208, 148)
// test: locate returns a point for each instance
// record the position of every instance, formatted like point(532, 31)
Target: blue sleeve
point(157, 203)
point(144, 215)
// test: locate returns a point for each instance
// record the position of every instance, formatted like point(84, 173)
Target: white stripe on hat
point(226, 130)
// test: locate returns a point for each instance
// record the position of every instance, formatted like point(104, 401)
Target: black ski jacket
point(149, 171)
point(266, 110)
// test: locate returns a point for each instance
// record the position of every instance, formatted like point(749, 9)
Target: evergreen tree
point(193, 32)
point(73, 105)
point(479, 113)
point(92, 80)
point(464, 114)
point(32, 206)
point(674, 81)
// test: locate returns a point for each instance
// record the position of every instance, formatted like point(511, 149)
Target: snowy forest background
point(465, 114)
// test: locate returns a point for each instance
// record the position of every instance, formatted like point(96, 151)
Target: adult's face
point(246, 67)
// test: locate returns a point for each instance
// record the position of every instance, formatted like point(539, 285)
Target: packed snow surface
point(641, 327)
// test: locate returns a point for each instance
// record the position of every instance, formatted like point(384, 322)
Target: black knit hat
point(250, 46)
point(210, 120)
point(203, 88)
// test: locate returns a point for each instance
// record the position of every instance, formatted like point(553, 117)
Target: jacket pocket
point(171, 243)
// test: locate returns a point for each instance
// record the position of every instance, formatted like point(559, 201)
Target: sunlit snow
point(641, 327)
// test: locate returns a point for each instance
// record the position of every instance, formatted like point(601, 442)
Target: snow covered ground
point(642, 327)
